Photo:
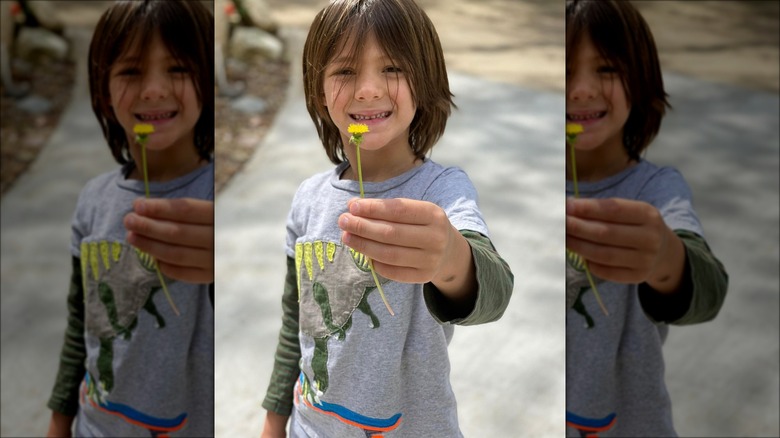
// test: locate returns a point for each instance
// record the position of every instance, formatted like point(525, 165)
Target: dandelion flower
point(143, 128)
point(357, 130)
point(142, 131)
point(572, 130)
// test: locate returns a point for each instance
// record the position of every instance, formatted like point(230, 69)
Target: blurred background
point(721, 62)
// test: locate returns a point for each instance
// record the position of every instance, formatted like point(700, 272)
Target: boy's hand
point(274, 426)
point(412, 242)
point(625, 241)
point(59, 426)
point(178, 233)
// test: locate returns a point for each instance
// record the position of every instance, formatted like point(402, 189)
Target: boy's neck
point(162, 166)
point(595, 166)
point(379, 165)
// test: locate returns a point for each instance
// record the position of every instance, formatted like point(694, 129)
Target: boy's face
point(156, 90)
point(374, 92)
point(595, 98)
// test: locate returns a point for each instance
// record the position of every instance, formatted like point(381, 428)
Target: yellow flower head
point(145, 128)
point(357, 128)
point(573, 129)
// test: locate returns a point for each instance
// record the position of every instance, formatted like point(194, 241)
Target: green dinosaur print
point(119, 281)
point(334, 281)
point(104, 364)
point(579, 307)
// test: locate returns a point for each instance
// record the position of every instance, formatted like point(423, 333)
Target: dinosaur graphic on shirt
point(576, 286)
point(590, 427)
point(333, 282)
point(118, 282)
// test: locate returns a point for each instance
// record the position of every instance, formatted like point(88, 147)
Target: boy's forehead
point(138, 49)
point(585, 50)
point(350, 49)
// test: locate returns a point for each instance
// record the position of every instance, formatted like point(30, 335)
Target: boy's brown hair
point(406, 34)
point(187, 30)
point(623, 38)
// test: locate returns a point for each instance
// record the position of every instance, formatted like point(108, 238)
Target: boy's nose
point(154, 87)
point(581, 87)
point(369, 87)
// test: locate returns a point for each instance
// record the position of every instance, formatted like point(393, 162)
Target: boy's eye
point(128, 71)
point(180, 69)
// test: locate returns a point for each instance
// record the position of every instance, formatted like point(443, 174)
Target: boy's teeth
point(375, 116)
point(578, 117)
point(155, 116)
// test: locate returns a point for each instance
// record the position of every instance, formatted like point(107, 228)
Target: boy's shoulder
point(101, 182)
point(320, 178)
point(656, 176)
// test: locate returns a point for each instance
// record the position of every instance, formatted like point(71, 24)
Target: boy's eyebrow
point(348, 59)
point(135, 59)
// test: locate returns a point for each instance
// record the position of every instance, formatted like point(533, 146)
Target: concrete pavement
point(36, 266)
point(723, 375)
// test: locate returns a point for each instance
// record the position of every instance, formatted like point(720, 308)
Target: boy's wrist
point(667, 276)
point(59, 425)
point(457, 279)
point(275, 425)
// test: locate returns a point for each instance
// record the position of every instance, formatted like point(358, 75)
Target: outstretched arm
point(414, 242)
point(625, 241)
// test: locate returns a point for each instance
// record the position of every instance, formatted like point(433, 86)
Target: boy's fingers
point(172, 254)
point(397, 210)
point(380, 252)
point(411, 236)
point(613, 235)
point(183, 234)
point(616, 210)
point(187, 210)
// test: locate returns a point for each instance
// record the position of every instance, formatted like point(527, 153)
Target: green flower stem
point(357, 139)
point(570, 141)
point(142, 139)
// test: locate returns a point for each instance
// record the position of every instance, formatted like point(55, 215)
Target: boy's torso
point(363, 369)
point(148, 370)
point(614, 364)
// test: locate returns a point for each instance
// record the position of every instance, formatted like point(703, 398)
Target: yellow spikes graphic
point(331, 251)
point(104, 253)
point(84, 263)
point(116, 251)
point(93, 259)
point(298, 261)
point(307, 259)
point(318, 250)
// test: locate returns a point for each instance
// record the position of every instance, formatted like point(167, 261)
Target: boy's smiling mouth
point(369, 117)
point(585, 116)
point(156, 117)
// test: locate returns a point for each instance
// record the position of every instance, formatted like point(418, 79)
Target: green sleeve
point(279, 397)
point(494, 286)
point(65, 395)
point(702, 291)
